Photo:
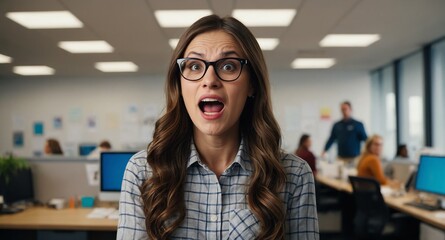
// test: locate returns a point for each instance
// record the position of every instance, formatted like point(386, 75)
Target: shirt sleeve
point(377, 170)
point(302, 210)
point(361, 132)
point(331, 138)
point(131, 223)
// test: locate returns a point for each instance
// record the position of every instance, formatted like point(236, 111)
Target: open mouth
point(211, 106)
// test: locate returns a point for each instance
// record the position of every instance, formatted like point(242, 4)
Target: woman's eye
point(228, 67)
point(195, 67)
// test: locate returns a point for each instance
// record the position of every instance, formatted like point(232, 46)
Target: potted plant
point(10, 165)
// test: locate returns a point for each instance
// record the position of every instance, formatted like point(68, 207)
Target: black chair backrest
point(371, 211)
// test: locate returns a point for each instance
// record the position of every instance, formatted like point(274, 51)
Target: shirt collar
point(241, 158)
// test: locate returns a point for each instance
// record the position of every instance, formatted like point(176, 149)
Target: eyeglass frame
point(243, 62)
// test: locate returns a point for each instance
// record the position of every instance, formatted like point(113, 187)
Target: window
point(384, 109)
point(438, 96)
point(411, 102)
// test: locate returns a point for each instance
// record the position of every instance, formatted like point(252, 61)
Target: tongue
point(213, 107)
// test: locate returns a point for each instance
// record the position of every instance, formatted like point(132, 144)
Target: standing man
point(348, 133)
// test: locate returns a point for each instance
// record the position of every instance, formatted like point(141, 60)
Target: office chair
point(372, 213)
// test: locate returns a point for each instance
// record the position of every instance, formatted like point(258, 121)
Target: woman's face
point(47, 148)
point(376, 146)
point(214, 105)
point(307, 143)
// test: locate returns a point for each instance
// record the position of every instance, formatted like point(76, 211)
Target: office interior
point(396, 86)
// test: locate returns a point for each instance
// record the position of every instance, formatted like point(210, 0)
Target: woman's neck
point(217, 152)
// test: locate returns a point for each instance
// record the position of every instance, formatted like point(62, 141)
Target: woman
point(305, 153)
point(214, 169)
point(370, 164)
point(52, 147)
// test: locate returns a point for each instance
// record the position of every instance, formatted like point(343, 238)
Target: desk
point(42, 218)
point(397, 203)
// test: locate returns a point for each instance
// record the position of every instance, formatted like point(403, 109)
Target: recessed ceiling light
point(45, 20)
point(301, 63)
point(179, 18)
point(265, 17)
point(349, 40)
point(173, 42)
point(268, 43)
point(86, 46)
point(33, 70)
point(116, 66)
point(5, 59)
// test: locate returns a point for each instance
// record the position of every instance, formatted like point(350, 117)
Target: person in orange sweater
point(370, 164)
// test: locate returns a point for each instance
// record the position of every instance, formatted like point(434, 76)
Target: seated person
point(402, 152)
point(103, 146)
point(304, 152)
point(370, 163)
point(52, 147)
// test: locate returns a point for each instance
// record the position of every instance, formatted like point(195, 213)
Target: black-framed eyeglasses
point(227, 69)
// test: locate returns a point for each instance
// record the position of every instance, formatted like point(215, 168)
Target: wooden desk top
point(40, 218)
point(397, 203)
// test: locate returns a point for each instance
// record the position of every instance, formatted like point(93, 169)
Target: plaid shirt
point(217, 208)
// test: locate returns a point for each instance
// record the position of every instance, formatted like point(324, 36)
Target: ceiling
point(131, 28)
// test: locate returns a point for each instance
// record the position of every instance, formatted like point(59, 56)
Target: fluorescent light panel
point(265, 17)
point(86, 46)
point(45, 20)
point(268, 44)
point(179, 18)
point(265, 43)
point(33, 70)
point(116, 66)
point(308, 63)
point(5, 59)
point(349, 40)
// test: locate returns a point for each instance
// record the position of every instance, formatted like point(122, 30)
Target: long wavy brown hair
point(168, 153)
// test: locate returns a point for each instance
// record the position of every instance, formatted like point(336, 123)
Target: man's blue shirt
point(348, 134)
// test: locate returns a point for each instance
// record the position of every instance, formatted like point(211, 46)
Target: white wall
point(297, 96)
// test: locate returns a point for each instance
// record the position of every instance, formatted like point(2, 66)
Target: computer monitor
point(112, 168)
point(19, 188)
point(430, 174)
point(86, 149)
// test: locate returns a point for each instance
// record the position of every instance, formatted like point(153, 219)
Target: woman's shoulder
point(138, 164)
point(294, 165)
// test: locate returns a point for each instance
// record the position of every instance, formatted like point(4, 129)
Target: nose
point(210, 79)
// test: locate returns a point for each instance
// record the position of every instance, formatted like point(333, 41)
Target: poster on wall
point(38, 143)
point(325, 113)
point(17, 139)
point(57, 123)
point(18, 122)
point(75, 115)
point(38, 128)
point(92, 123)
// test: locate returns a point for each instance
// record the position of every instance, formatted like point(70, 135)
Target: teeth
point(209, 100)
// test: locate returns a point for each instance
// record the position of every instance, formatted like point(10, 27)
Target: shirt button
point(213, 218)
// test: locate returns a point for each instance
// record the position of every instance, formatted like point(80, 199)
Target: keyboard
point(110, 213)
point(423, 206)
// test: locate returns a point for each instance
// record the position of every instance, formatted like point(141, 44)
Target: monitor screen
point(430, 174)
point(20, 187)
point(112, 168)
point(86, 149)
